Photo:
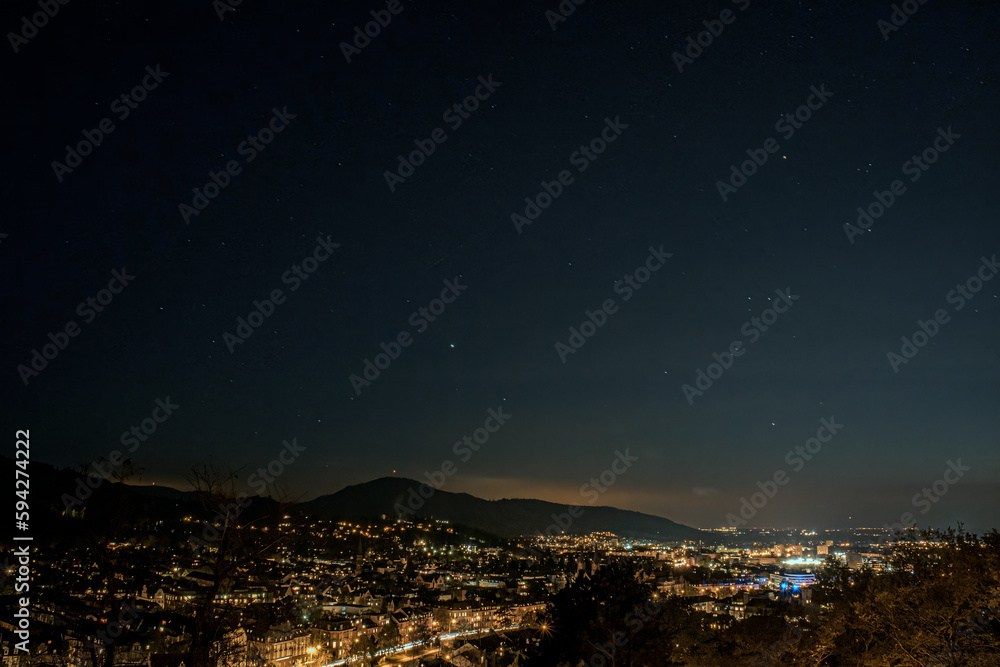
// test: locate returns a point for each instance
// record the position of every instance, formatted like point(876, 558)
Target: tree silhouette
point(596, 615)
point(234, 546)
point(937, 605)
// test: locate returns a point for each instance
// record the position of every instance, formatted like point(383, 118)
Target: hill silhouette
point(386, 496)
point(509, 517)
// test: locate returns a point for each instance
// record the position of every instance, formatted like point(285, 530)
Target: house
point(340, 635)
point(284, 645)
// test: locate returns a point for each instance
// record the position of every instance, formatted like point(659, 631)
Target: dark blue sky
point(494, 346)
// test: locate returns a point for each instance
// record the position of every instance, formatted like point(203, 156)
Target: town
point(299, 591)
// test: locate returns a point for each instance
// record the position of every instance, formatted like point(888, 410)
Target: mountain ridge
point(506, 517)
point(383, 496)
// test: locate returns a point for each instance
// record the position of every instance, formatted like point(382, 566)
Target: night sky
point(390, 246)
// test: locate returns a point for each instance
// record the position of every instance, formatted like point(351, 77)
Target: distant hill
point(52, 487)
point(167, 492)
point(506, 518)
